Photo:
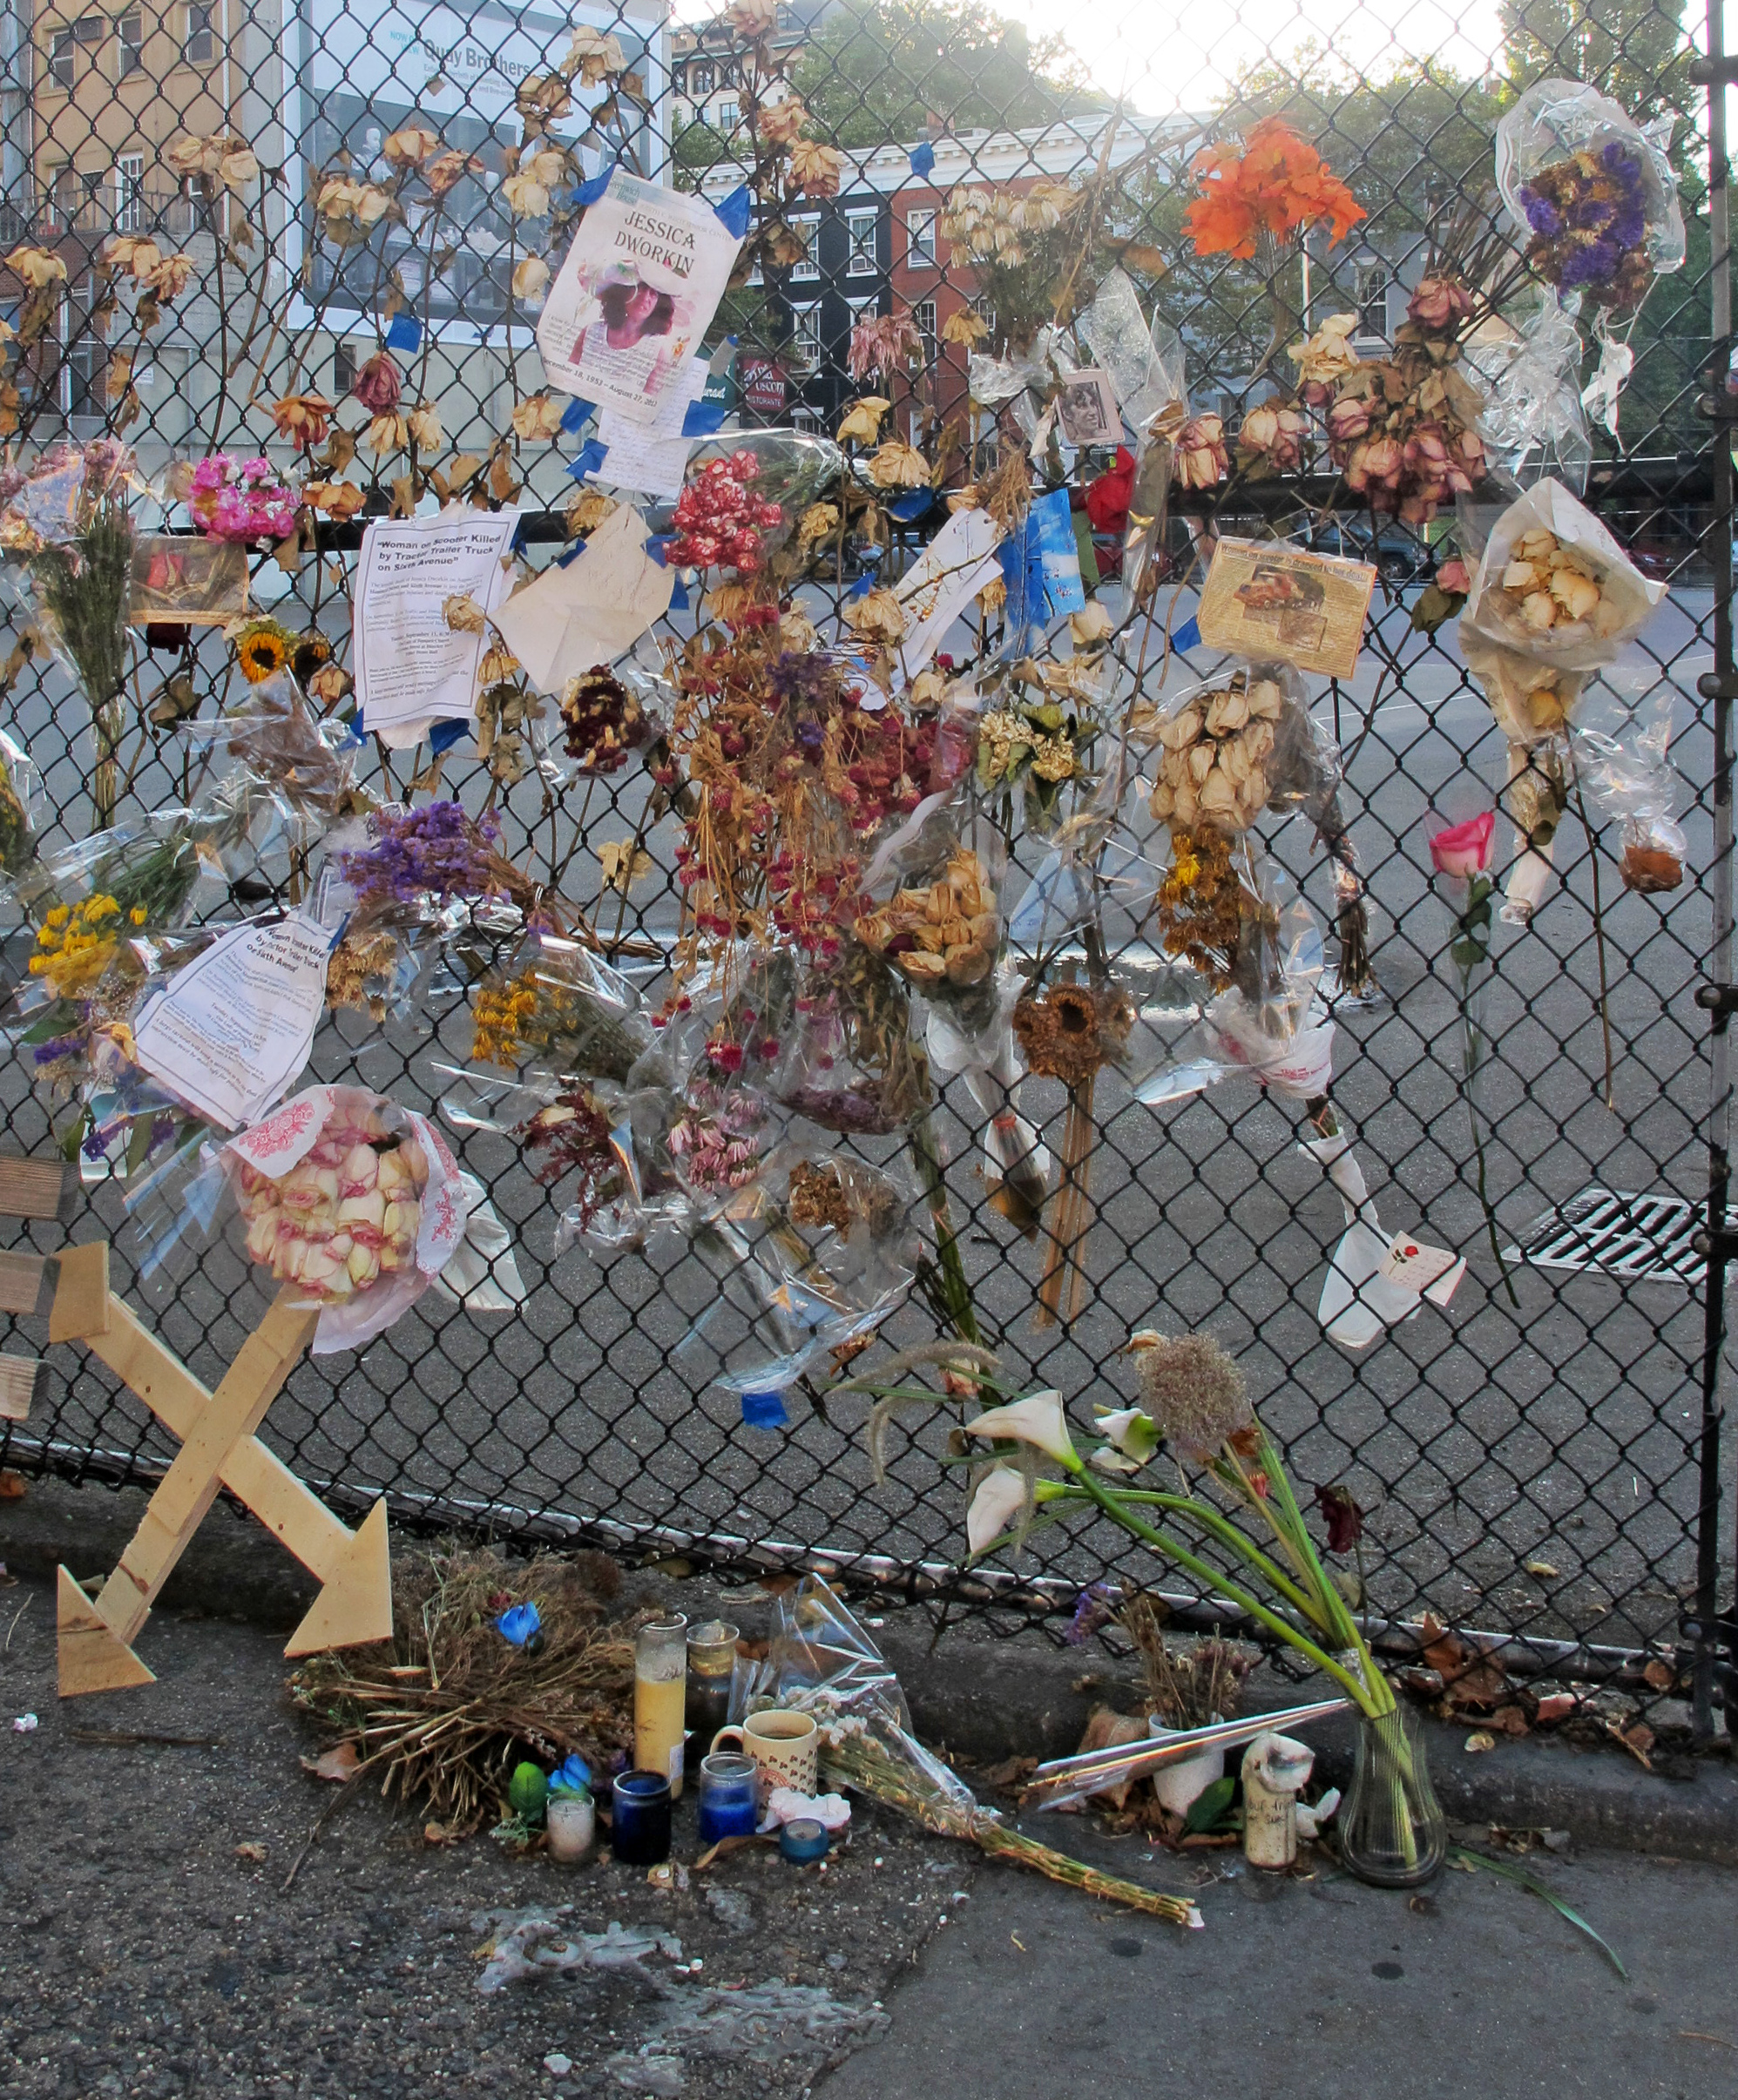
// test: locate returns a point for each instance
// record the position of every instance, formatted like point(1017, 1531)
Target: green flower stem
point(957, 1290)
point(1211, 1520)
point(1367, 1697)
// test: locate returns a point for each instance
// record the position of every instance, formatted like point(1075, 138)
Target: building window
point(920, 241)
point(860, 256)
point(807, 227)
point(343, 369)
point(129, 193)
point(923, 320)
point(198, 47)
point(700, 80)
point(1371, 285)
point(724, 117)
point(986, 313)
point(805, 339)
point(64, 47)
point(130, 30)
point(81, 352)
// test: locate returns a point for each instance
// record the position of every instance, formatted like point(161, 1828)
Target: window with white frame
point(923, 320)
point(986, 313)
point(87, 34)
point(81, 350)
point(807, 227)
point(130, 30)
point(700, 80)
point(724, 117)
point(199, 46)
point(860, 255)
point(1370, 287)
point(805, 339)
point(920, 241)
point(129, 193)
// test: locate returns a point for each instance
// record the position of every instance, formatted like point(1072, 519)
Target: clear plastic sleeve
point(1223, 752)
point(744, 494)
point(1534, 425)
point(941, 928)
point(556, 1006)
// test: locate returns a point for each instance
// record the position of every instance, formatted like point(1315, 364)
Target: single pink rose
point(1464, 850)
point(1452, 577)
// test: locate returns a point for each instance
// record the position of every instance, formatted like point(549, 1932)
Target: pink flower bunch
point(1273, 436)
point(1413, 476)
point(344, 1215)
point(886, 343)
point(241, 499)
point(719, 519)
point(716, 1143)
point(1440, 304)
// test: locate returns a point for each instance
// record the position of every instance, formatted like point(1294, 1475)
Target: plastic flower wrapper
point(1226, 752)
point(270, 735)
point(554, 1005)
point(820, 1661)
point(1038, 729)
point(815, 1266)
point(1017, 1176)
point(846, 1061)
point(355, 1202)
point(744, 494)
point(1529, 367)
point(21, 809)
point(1593, 197)
point(68, 517)
point(1619, 749)
point(1530, 701)
point(1553, 584)
point(941, 924)
point(1146, 367)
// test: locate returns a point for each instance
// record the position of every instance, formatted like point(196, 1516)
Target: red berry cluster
point(719, 521)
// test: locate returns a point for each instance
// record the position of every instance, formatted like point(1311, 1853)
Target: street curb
point(977, 1698)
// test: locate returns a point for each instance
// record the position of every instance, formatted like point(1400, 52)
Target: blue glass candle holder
point(640, 1833)
point(729, 1807)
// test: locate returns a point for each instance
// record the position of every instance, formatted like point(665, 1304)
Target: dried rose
point(379, 385)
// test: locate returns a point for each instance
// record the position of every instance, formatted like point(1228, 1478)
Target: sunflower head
point(261, 652)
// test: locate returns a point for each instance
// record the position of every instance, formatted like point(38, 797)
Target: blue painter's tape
point(735, 211)
point(1187, 636)
point(765, 1411)
point(575, 414)
point(443, 735)
point(924, 159)
point(405, 334)
point(589, 456)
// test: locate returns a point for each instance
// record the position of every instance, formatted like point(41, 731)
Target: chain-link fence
point(1529, 1455)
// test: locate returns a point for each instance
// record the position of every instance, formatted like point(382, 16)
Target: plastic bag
point(1232, 747)
point(941, 929)
point(355, 1201)
point(557, 1006)
point(744, 494)
point(1534, 424)
point(847, 1064)
point(1621, 762)
point(1553, 584)
point(22, 805)
point(1591, 192)
point(1144, 364)
point(828, 1255)
point(270, 735)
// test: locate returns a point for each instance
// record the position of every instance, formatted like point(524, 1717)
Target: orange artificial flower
point(1274, 184)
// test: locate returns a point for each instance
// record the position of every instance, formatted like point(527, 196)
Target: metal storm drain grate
point(1646, 1238)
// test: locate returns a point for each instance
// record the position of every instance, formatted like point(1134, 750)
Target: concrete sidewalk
point(1323, 1990)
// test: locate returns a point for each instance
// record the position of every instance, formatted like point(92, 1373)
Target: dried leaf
point(1539, 1568)
point(1468, 1679)
point(1482, 1741)
point(438, 1833)
point(1555, 1706)
point(1637, 1737)
point(1660, 1675)
point(12, 1486)
point(623, 863)
point(252, 1851)
point(338, 1764)
point(463, 467)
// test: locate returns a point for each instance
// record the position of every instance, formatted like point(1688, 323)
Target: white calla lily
point(1036, 1419)
point(996, 1507)
point(1132, 1431)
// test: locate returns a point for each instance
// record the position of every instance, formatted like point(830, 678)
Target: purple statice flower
point(58, 1047)
point(430, 854)
point(1096, 1607)
point(1543, 216)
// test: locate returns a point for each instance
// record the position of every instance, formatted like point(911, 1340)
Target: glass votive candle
point(729, 1796)
point(640, 1836)
point(661, 1676)
point(712, 1665)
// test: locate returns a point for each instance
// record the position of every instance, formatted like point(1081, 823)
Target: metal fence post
point(1717, 995)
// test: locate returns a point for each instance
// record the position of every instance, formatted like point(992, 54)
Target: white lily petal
point(1132, 1431)
point(1037, 1420)
point(995, 1508)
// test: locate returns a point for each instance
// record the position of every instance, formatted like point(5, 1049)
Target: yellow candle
point(658, 1727)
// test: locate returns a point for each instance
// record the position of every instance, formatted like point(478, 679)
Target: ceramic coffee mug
point(785, 1747)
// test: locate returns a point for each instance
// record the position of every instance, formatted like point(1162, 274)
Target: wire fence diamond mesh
point(1529, 1452)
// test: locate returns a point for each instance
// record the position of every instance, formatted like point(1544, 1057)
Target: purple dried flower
point(434, 853)
point(1097, 1606)
point(1543, 216)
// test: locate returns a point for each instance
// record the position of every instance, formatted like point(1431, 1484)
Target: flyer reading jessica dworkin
point(635, 296)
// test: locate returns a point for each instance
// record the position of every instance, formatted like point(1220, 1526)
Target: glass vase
point(1392, 1832)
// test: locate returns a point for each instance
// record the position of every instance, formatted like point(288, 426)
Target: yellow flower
point(423, 424)
point(530, 278)
point(897, 466)
point(965, 327)
point(539, 417)
point(37, 266)
point(878, 612)
point(389, 433)
point(409, 147)
point(261, 652)
point(171, 277)
point(594, 56)
point(863, 420)
point(817, 170)
point(137, 915)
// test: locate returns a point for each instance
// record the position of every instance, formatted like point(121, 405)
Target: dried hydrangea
point(1193, 1390)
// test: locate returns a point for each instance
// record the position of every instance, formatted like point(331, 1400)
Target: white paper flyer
point(232, 1032)
point(946, 576)
point(412, 668)
point(651, 458)
point(634, 296)
point(590, 610)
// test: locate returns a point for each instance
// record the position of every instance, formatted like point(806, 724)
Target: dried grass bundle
point(448, 1708)
point(1188, 1685)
